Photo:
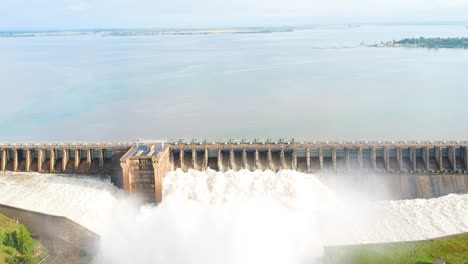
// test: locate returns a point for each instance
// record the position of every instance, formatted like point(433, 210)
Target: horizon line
point(396, 23)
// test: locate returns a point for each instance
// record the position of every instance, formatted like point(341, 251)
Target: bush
point(9, 251)
point(23, 243)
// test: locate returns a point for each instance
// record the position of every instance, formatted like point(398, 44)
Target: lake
point(317, 84)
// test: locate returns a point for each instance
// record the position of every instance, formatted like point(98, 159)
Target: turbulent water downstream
point(232, 217)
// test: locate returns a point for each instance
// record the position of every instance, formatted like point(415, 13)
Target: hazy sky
point(68, 14)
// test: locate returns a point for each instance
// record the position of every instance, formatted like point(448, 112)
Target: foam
point(232, 217)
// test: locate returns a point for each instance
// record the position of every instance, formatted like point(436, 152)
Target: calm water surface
point(307, 84)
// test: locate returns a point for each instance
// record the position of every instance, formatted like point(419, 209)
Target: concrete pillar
point(101, 158)
point(465, 157)
point(77, 159)
point(308, 160)
point(52, 160)
point(244, 159)
point(194, 159)
point(232, 162)
point(399, 156)
point(452, 157)
point(294, 159)
point(171, 158)
point(347, 159)
point(220, 160)
point(158, 179)
point(40, 159)
point(181, 157)
point(126, 176)
point(132, 167)
point(4, 160)
point(374, 158)
point(321, 158)
point(15, 159)
point(387, 159)
point(28, 160)
point(436, 156)
point(282, 160)
point(270, 159)
point(413, 158)
point(438, 153)
point(205, 160)
point(257, 159)
point(359, 156)
point(64, 159)
point(425, 155)
point(89, 158)
point(334, 158)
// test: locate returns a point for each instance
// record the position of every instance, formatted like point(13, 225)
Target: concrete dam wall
point(61, 236)
point(407, 169)
point(79, 158)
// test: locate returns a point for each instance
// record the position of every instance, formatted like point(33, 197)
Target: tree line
point(433, 42)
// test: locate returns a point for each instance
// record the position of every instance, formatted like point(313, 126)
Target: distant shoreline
point(144, 32)
point(162, 32)
point(430, 43)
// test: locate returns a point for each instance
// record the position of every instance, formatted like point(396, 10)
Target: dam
point(410, 169)
point(234, 188)
point(76, 158)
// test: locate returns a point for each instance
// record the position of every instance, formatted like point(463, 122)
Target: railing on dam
point(144, 166)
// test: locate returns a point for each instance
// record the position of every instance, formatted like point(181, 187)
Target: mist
point(265, 217)
point(233, 217)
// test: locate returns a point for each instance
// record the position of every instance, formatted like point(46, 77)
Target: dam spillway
point(409, 169)
point(68, 158)
point(259, 197)
point(254, 203)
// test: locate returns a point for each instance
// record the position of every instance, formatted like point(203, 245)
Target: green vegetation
point(433, 42)
point(17, 245)
point(453, 249)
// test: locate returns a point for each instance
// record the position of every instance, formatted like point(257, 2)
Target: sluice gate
point(409, 169)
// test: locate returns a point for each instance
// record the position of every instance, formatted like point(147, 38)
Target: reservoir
point(318, 83)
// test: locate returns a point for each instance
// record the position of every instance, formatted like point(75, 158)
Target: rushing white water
point(80, 198)
point(232, 217)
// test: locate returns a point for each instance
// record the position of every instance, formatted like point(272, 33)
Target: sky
point(86, 14)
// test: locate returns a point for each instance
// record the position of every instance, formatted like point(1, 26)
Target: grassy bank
point(453, 249)
point(16, 244)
